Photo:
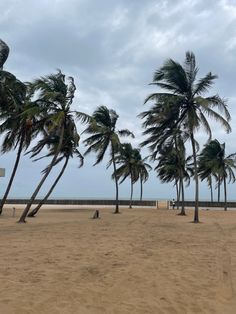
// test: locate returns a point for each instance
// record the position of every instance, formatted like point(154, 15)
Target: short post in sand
point(13, 212)
point(96, 214)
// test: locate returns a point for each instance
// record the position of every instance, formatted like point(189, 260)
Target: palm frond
point(204, 84)
point(83, 117)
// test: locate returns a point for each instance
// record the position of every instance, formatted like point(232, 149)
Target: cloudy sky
point(112, 48)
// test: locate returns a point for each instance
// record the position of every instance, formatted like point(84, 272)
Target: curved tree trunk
point(196, 210)
point(141, 189)
point(131, 193)
point(116, 182)
point(13, 174)
point(225, 191)
point(36, 209)
point(26, 210)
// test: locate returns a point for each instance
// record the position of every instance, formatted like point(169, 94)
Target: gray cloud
point(112, 48)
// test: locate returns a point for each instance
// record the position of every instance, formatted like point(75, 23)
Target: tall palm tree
point(214, 162)
point(184, 94)
point(68, 150)
point(55, 96)
point(103, 137)
point(126, 159)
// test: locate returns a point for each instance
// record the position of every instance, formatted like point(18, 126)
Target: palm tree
point(16, 125)
point(166, 167)
point(143, 169)
point(126, 158)
point(19, 128)
point(68, 150)
point(205, 170)
point(19, 124)
point(173, 166)
point(213, 162)
point(54, 96)
point(183, 94)
point(104, 136)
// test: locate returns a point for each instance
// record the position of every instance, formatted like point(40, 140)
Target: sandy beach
point(143, 261)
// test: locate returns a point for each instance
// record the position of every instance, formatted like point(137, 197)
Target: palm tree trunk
point(36, 209)
point(225, 190)
point(179, 193)
point(116, 182)
point(211, 191)
point(196, 210)
point(218, 189)
point(13, 174)
point(176, 180)
point(141, 189)
point(177, 189)
point(182, 213)
point(131, 193)
point(26, 210)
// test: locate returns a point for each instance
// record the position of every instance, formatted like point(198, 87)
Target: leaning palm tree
point(69, 149)
point(103, 137)
point(18, 122)
point(20, 127)
point(54, 96)
point(214, 162)
point(184, 95)
point(15, 126)
point(126, 159)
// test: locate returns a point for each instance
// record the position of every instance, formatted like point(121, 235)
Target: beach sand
point(143, 261)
